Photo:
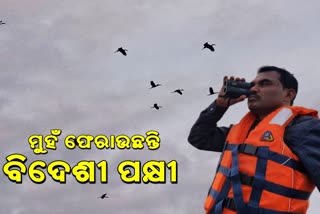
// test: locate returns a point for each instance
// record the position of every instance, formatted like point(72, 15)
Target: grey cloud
point(59, 70)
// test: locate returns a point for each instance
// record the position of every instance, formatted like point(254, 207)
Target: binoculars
point(234, 89)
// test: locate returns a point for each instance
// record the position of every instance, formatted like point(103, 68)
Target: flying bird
point(179, 91)
point(207, 45)
point(122, 50)
point(104, 196)
point(156, 106)
point(153, 85)
point(211, 91)
point(2, 23)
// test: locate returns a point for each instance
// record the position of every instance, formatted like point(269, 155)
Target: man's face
point(268, 93)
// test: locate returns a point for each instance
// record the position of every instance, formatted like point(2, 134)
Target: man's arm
point(304, 139)
point(205, 134)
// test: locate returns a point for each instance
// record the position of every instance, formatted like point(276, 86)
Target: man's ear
point(290, 94)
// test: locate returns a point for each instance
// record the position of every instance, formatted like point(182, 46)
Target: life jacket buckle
point(247, 149)
point(229, 204)
point(246, 179)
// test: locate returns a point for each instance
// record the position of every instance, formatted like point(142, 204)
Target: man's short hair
point(286, 78)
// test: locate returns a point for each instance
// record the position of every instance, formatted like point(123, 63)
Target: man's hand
point(225, 102)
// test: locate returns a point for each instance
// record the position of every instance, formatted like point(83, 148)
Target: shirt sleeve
point(204, 134)
point(306, 145)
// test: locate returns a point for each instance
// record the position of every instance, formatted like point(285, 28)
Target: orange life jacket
point(257, 172)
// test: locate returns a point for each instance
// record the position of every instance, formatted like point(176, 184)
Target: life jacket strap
point(266, 185)
point(261, 152)
point(230, 204)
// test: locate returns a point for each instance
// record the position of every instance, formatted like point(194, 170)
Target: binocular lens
point(238, 84)
point(235, 89)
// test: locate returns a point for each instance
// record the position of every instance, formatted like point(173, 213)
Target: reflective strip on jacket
point(258, 173)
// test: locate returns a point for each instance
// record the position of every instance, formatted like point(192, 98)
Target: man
point(270, 160)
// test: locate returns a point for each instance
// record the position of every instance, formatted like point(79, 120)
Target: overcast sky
point(59, 70)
